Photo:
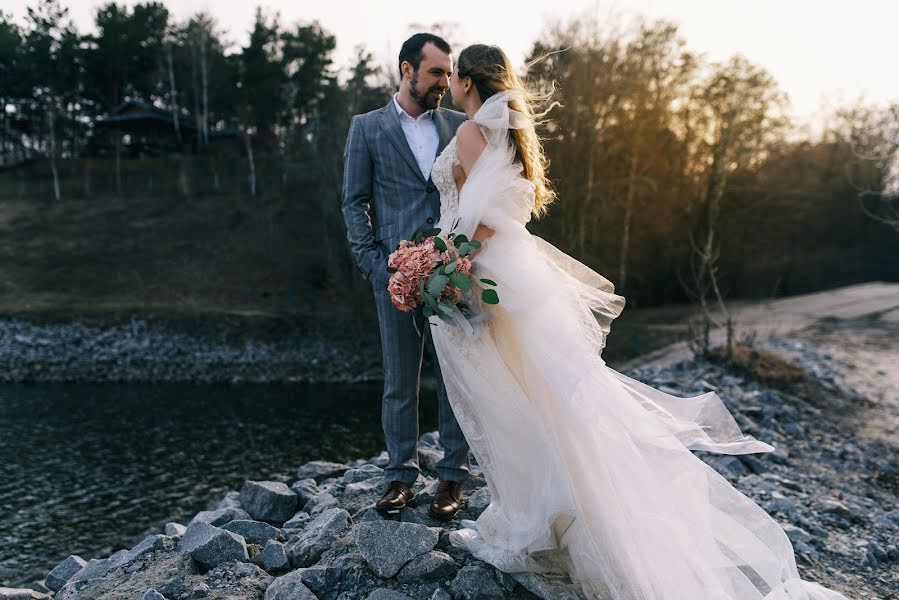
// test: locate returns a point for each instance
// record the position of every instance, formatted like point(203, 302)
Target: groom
point(387, 195)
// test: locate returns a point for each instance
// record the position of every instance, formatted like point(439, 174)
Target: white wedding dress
point(590, 472)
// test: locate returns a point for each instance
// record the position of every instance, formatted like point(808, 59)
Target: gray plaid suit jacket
point(385, 197)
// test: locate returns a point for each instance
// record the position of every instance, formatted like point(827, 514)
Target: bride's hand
point(481, 235)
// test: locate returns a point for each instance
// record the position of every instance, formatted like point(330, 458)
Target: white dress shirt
point(422, 136)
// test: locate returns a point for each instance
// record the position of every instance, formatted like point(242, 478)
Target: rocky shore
point(316, 536)
point(153, 351)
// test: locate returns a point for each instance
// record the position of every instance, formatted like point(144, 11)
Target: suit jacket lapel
point(390, 123)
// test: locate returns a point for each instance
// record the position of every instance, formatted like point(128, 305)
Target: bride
point(590, 472)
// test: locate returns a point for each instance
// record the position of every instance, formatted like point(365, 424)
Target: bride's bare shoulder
point(470, 142)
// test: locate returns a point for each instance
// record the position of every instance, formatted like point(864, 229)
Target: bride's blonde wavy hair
point(491, 72)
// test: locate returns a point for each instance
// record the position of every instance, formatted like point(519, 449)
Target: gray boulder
point(430, 566)
point(307, 547)
point(220, 516)
point(387, 594)
point(476, 583)
point(305, 489)
point(21, 594)
point(152, 594)
point(269, 501)
point(289, 587)
point(318, 503)
point(549, 587)
point(64, 571)
point(211, 546)
point(376, 541)
point(254, 532)
point(320, 469)
point(175, 529)
point(273, 557)
point(366, 471)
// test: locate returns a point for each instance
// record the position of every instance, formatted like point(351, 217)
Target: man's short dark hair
point(411, 50)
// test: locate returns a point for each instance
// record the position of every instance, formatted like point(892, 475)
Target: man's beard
point(429, 99)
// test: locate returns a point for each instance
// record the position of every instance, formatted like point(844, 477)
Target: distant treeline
point(678, 177)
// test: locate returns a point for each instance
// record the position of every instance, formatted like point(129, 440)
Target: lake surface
point(88, 469)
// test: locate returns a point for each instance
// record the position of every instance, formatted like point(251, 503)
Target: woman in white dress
point(590, 472)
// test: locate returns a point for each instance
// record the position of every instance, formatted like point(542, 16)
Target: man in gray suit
point(387, 195)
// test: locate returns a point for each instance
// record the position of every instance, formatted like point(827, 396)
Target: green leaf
point(416, 237)
point(487, 281)
point(458, 280)
point(451, 267)
point(429, 300)
point(436, 283)
point(433, 231)
point(490, 297)
point(440, 244)
point(464, 249)
point(428, 311)
point(460, 239)
point(474, 244)
point(446, 319)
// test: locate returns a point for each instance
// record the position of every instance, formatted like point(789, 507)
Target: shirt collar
point(401, 112)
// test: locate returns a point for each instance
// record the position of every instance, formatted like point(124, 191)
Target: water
point(89, 469)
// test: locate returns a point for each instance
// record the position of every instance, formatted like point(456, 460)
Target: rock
point(64, 571)
point(175, 529)
point(255, 532)
point(834, 507)
point(269, 501)
point(366, 471)
point(320, 469)
point(441, 594)
point(475, 583)
point(220, 516)
point(308, 546)
point(211, 546)
point(273, 557)
point(21, 594)
point(431, 438)
point(231, 500)
point(381, 460)
point(305, 489)
point(152, 594)
point(477, 503)
point(430, 566)
point(319, 503)
point(428, 458)
point(548, 587)
point(298, 521)
point(376, 541)
point(387, 594)
point(796, 534)
point(289, 587)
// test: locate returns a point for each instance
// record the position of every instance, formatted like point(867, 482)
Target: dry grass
point(761, 365)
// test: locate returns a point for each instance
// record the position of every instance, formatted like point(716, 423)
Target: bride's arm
point(470, 142)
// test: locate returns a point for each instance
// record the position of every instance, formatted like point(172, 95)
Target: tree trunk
point(628, 218)
point(51, 117)
point(174, 93)
point(204, 74)
point(249, 145)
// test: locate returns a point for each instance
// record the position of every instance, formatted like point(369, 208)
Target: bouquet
point(434, 272)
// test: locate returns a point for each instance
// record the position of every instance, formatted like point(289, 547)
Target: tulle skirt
point(590, 472)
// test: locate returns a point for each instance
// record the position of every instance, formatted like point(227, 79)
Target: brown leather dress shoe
point(398, 494)
point(447, 501)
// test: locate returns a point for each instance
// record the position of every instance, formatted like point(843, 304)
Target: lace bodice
point(442, 175)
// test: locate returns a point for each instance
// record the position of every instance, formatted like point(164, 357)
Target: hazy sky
point(820, 51)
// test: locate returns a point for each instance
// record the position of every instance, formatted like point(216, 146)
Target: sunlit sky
point(823, 53)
